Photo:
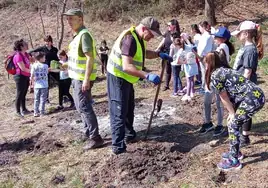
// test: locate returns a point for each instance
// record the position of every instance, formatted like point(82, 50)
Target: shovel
point(157, 103)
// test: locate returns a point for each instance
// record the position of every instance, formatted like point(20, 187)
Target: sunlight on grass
point(7, 184)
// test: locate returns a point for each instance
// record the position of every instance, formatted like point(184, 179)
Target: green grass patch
point(263, 64)
point(7, 184)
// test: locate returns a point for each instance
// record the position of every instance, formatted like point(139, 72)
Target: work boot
point(94, 143)
point(118, 152)
point(130, 139)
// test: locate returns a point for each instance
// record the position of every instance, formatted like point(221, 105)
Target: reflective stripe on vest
point(136, 63)
point(115, 64)
point(76, 63)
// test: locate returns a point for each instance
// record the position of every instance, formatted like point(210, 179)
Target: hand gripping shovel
point(157, 103)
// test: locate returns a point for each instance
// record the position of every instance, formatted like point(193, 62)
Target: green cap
point(152, 24)
point(74, 12)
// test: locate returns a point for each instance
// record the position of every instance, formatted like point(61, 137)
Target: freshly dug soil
point(144, 165)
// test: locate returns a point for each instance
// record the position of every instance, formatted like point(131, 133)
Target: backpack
point(9, 65)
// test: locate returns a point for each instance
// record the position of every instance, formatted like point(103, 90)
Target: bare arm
point(247, 73)
point(152, 54)
point(160, 45)
point(129, 68)
point(22, 67)
point(226, 102)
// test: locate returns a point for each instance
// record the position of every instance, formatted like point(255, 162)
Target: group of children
point(188, 52)
point(39, 80)
point(207, 57)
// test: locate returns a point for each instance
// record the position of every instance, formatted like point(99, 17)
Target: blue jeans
point(176, 78)
point(121, 107)
point(40, 98)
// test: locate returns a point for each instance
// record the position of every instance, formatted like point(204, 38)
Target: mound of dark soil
point(144, 165)
point(47, 146)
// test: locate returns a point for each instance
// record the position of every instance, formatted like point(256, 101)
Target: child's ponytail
point(258, 42)
point(231, 47)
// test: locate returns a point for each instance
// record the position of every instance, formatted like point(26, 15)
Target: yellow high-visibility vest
point(76, 63)
point(115, 64)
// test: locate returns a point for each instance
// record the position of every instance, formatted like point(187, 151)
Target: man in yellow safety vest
point(82, 70)
point(124, 69)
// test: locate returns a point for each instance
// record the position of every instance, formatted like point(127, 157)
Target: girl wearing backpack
point(21, 61)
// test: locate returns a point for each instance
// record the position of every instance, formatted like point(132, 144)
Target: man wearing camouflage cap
point(124, 69)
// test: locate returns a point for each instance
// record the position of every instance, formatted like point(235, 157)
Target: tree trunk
point(62, 24)
point(210, 12)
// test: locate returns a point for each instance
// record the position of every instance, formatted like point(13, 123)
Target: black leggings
point(22, 85)
point(168, 72)
point(104, 60)
point(64, 89)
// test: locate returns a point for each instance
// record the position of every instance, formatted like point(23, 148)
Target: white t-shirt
point(196, 39)
point(205, 44)
point(39, 72)
point(174, 54)
point(226, 50)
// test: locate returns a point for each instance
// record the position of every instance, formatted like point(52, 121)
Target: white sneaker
point(186, 98)
point(192, 95)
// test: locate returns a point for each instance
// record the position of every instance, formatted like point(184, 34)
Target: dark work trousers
point(53, 78)
point(104, 60)
point(64, 90)
point(121, 106)
point(83, 105)
point(22, 85)
point(168, 72)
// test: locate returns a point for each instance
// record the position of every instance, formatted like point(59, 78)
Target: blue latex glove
point(165, 56)
point(153, 78)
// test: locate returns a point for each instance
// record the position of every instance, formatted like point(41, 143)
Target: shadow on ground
point(25, 144)
point(259, 157)
point(260, 129)
point(185, 136)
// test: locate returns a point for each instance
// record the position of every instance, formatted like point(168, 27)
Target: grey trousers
point(40, 98)
point(203, 74)
point(84, 107)
point(207, 107)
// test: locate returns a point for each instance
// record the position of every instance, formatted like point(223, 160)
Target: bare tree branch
point(57, 26)
point(28, 30)
point(62, 24)
point(40, 14)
